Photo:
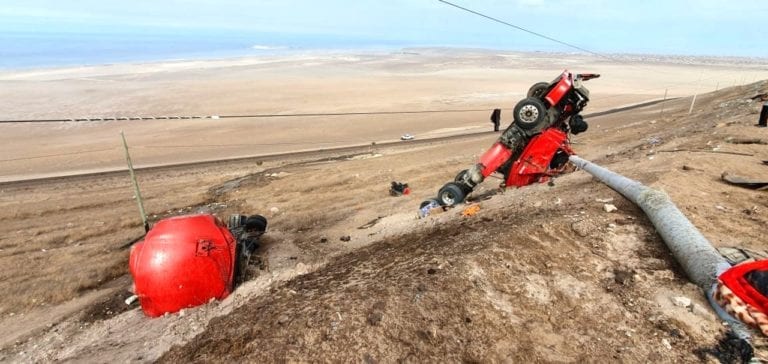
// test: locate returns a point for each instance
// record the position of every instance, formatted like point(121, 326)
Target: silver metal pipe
point(700, 260)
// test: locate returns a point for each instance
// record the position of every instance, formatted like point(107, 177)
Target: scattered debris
point(345, 238)
point(604, 200)
point(610, 207)
point(681, 301)
point(744, 182)
point(750, 211)
point(666, 344)
point(131, 300)
point(689, 168)
point(428, 207)
point(654, 141)
point(470, 211)
point(399, 189)
point(730, 349)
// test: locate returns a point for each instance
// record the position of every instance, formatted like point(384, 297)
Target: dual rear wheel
point(451, 194)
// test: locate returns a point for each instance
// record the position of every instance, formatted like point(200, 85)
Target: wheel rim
point(449, 198)
point(528, 114)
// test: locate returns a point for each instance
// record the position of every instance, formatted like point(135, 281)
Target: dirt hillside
point(541, 274)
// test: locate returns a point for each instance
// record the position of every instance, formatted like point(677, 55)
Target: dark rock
point(421, 288)
point(367, 358)
point(375, 317)
point(623, 277)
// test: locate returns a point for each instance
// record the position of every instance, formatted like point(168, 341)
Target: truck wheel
point(256, 223)
point(537, 90)
point(451, 194)
point(530, 113)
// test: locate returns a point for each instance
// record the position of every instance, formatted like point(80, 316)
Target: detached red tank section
point(494, 157)
point(534, 163)
point(183, 262)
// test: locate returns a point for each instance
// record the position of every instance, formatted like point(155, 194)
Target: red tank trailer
point(186, 261)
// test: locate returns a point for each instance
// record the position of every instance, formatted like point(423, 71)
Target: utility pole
point(136, 191)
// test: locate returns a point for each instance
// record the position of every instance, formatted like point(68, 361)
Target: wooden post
point(661, 115)
point(698, 87)
point(692, 103)
point(139, 200)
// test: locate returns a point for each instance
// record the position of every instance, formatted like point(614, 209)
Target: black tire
point(451, 194)
point(256, 223)
point(559, 159)
point(537, 90)
point(530, 113)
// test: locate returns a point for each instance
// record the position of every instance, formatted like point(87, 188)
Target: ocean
point(43, 50)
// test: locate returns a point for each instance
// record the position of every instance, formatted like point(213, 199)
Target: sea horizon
point(28, 51)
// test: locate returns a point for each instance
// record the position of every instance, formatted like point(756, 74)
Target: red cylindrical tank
point(494, 157)
point(183, 262)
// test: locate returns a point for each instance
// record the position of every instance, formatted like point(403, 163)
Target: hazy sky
point(714, 27)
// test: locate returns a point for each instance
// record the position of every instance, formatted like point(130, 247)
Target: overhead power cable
point(525, 30)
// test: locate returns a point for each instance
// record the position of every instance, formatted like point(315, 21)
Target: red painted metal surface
point(560, 89)
point(183, 262)
point(534, 163)
point(494, 157)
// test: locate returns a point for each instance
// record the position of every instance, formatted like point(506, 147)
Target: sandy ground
point(421, 80)
point(541, 274)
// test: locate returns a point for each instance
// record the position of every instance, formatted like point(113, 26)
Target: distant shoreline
point(259, 53)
